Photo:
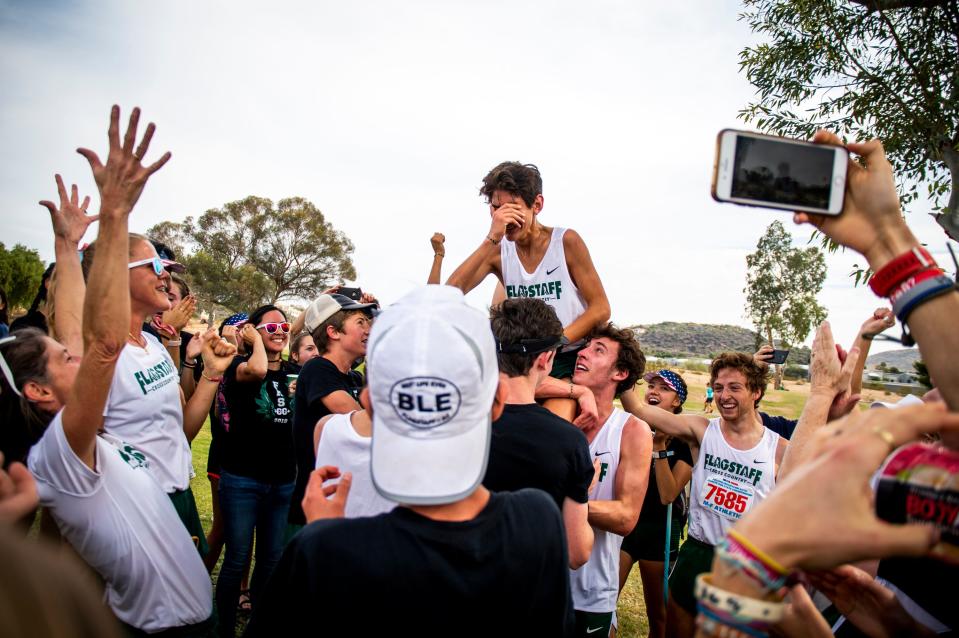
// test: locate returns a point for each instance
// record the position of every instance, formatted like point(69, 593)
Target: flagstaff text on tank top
point(595, 585)
point(550, 281)
point(144, 410)
point(728, 482)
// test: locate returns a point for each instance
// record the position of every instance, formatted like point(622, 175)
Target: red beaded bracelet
point(896, 271)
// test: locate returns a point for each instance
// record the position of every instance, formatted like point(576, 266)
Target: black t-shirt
point(532, 447)
point(259, 444)
point(929, 582)
point(653, 510)
point(504, 573)
point(779, 424)
point(318, 378)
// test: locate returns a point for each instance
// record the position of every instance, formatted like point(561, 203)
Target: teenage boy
point(533, 260)
point(452, 555)
point(531, 446)
point(609, 364)
point(327, 384)
point(735, 463)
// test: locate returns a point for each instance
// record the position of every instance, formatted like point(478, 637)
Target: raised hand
point(250, 334)
point(70, 220)
point(194, 347)
point(321, 502)
point(880, 320)
point(122, 178)
point(217, 352)
point(437, 241)
point(871, 221)
point(762, 356)
point(509, 214)
point(179, 315)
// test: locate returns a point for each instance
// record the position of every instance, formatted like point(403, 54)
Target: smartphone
point(779, 357)
point(752, 169)
point(352, 293)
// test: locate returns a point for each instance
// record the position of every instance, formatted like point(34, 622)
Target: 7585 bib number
point(726, 498)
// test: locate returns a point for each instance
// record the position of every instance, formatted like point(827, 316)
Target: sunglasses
point(156, 262)
point(6, 369)
point(271, 327)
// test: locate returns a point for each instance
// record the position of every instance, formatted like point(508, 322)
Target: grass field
point(632, 610)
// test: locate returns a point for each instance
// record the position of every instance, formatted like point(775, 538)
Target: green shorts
point(590, 624)
point(185, 506)
point(563, 364)
point(695, 558)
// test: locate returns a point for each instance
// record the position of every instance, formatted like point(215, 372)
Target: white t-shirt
point(143, 409)
point(125, 527)
point(550, 282)
point(341, 446)
point(595, 585)
point(728, 482)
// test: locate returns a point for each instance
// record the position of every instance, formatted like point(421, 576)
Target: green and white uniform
point(726, 484)
point(595, 585)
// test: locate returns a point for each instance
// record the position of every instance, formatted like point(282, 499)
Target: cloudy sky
point(387, 115)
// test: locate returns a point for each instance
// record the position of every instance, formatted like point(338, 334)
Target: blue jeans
point(247, 504)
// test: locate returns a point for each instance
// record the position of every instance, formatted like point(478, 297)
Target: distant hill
point(702, 341)
point(901, 359)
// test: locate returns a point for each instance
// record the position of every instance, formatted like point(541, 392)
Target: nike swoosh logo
point(591, 631)
point(601, 453)
point(758, 461)
point(550, 272)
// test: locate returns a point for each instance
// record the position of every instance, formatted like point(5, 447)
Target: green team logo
point(546, 290)
point(154, 377)
point(603, 467)
point(733, 469)
point(133, 457)
point(271, 402)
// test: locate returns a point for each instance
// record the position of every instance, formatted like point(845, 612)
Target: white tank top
point(143, 409)
point(728, 482)
point(550, 281)
point(595, 585)
point(341, 446)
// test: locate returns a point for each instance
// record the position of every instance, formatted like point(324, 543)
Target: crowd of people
point(430, 468)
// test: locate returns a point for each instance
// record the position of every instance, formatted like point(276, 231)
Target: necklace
point(140, 340)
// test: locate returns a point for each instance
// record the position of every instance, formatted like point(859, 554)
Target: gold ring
point(886, 436)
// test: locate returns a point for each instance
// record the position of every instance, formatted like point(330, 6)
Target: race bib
point(726, 498)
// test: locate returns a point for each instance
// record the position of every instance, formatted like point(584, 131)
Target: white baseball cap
point(432, 373)
point(325, 306)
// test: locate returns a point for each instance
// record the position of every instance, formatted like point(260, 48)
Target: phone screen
point(790, 174)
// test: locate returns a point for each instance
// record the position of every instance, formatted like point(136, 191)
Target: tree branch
point(887, 5)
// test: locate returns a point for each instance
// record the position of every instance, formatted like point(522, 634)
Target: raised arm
point(670, 481)
point(881, 319)
point(106, 307)
point(254, 368)
point(584, 275)
point(217, 355)
point(485, 259)
point(687, 427)
point(632, 477)
point(437, 242)
point(872, 224)
point(70, 222)
point(830, 371)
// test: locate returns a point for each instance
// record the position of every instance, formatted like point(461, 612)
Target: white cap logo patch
point(425, 403)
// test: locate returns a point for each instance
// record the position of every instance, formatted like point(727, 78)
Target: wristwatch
point(663, 454)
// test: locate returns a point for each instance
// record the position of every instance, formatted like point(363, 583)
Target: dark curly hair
point(630, 357)
point(756, 376)
point(522, 180)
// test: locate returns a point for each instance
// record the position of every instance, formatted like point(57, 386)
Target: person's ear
point(365, 400)
point(545, 360)
point(537, 204)
point(499, 399)
point(37, 393)
point(332, 334)
point(619, 375)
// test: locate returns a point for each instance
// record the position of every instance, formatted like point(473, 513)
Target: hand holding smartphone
point(752, 169)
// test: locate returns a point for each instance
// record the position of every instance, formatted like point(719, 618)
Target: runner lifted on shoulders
point(552, 264)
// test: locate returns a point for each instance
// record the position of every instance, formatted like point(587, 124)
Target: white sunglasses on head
point(6, 369)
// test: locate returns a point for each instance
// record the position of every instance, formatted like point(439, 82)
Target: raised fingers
point(157, 165)
point(145, 142)
point(113, 133)
point(131, 135)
